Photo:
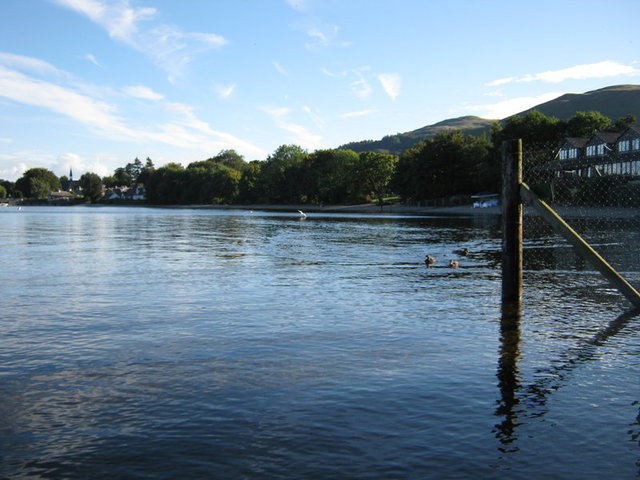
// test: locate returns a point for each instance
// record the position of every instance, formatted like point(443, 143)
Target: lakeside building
point(604, 153)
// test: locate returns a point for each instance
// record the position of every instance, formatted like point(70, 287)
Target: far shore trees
point(91, 185)
point(37, 183)
point(450, 164)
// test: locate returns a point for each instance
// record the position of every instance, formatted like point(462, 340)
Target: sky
point(90, 85)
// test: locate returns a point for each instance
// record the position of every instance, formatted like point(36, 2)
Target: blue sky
point(92, 84)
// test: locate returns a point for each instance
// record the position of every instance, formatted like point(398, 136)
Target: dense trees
point(449, 164)
point(91, 185)
point(37, 183)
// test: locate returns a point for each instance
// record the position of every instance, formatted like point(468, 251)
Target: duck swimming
point(429, 260)
point(463, 252)
point(454, 264)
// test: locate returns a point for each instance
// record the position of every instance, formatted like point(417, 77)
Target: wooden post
point(511, 222)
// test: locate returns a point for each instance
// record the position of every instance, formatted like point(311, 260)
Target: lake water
point(176, 343)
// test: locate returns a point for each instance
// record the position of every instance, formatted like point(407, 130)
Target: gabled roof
point(604, 137)
point(631, 132)
point(574, 142)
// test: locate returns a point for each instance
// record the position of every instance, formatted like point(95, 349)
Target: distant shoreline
point(398, 209)
point(362, 208)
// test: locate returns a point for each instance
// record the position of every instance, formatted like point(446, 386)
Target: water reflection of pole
point(508, 381)
point(508, 378)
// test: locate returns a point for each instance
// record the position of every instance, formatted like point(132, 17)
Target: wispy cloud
point(280, 69)
point(579, 72)
point(92, 59)
point(29, 64)
point(301, 135)
point(140, 91)
point(186, 131)
point(322, 34)
point(168, 46)
point(225, 91)
point(511, 106)
point(359, 113)
point(359, 85)
point(391, 83)
point(79, 165)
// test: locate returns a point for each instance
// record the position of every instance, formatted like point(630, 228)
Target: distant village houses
point(126, 193)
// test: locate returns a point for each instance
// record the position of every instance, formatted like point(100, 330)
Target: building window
point(635, 144)
point(600, 149)
point(623, 146)
point(591, 150)
point(573, 153)
point(563, 154)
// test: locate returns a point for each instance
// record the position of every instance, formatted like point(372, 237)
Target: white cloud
point(314, 116)
point(170, 48)
point(225, 91)
point(186, 132)
point(92, 59)
point(579, 72)
point(322, 35)
point(118, 19)
point(6, 140)
point(280, 69)
point(29, 64)
point(359, 113)
point(391, 83)
point(24, 89)
point(140, 91)
point(301, 135)
point(79, 165)
point(512, 106)
point(14, 170)
point(360, 86)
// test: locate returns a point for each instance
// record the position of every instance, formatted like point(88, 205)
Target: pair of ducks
point(430, 260)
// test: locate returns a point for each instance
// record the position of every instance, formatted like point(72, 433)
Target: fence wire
point(598, 196)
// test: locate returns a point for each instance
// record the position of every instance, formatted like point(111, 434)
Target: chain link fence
point(597, 192)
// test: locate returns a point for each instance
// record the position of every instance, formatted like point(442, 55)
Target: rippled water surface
point(160, 343)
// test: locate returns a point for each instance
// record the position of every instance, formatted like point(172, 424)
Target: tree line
point(451, 163)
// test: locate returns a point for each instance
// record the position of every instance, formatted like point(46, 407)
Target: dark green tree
point(448, 164)
point(37, 183)
point(585, 124)
point(250, 187)
point(374, 173)
point(625, 122)
point(536, 130)
point(146, 171)
point(332, 176)
point(231, 159)
point(3, 192)
point(134, 169)
point(9, 187)
point(91, 185)
point(166, 184)
point(122, 177)
point(281, 174)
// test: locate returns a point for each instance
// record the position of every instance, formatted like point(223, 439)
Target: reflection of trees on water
point(518, 401)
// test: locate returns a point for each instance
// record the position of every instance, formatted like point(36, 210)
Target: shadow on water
point(518, 401)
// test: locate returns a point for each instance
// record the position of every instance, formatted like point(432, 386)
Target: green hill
point(614, 102)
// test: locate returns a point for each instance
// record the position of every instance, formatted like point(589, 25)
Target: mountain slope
point(613, 102)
